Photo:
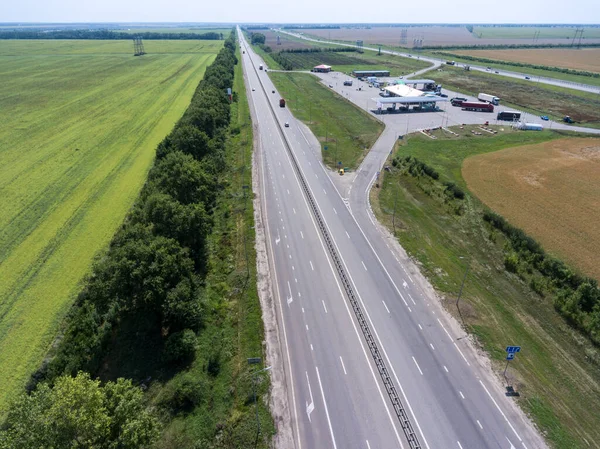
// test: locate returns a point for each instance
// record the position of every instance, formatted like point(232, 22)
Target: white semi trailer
point(489, 99)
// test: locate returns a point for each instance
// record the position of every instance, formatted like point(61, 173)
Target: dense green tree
point(183, 177)
point(187, 223)
point(78, 412)
point(258, 38)
point(187, 139)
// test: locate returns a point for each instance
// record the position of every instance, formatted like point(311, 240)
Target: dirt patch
point(583, 59)
point(550, 190)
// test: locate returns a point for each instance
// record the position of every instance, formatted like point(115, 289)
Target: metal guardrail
point(407, 427)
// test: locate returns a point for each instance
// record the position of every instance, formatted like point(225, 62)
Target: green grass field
point(526, 95)
point(526, 32)
point(347, 130)
point(557, 372)
point(81, 121)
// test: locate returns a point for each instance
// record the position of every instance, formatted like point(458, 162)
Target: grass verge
point(223, 416)
point(536, 98)
point(558, 371)
point(344, 129)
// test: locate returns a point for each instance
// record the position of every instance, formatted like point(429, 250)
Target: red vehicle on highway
point(472, 106)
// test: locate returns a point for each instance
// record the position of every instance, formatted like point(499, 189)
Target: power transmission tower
point(580, 33)
point(138, 46)
point(404, 36)
point(359, 46)
point(580, 37)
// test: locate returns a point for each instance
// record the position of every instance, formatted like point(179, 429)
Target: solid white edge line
point(326, 409)
point(500, 410)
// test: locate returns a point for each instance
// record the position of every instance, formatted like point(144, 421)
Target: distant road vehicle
point(282, 103)
point(273, 91)
point(567, 119)
point(527, 78)
point(253, 89)
point(260, 67)
point(489, 99)
point(481, 107)
point(531, 127)
point(509, 115)
point(544, 117)
point(348, 83)
point(287, 125)
point(451, 62)
point(457, 101)
point(496, 71)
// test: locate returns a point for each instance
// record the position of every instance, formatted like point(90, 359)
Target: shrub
point(180, 347)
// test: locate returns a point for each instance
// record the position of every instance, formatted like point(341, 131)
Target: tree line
point(148, 283)
point(520, 64)
point(108, 35)
point(575, 297)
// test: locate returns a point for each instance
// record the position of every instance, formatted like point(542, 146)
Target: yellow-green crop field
point(80, 123)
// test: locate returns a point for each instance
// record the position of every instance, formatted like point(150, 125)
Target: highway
point(437, 62)
point(371, 360)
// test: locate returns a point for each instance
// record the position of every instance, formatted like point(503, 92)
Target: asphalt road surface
point(364, 340)
point(437, 62)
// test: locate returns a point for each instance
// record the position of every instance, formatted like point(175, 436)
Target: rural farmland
point(445, 36)
point(587, 59)
point(81, 121)
point(551, 190)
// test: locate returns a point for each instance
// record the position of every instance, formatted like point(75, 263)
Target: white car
point(287, 125)
point(253, 89)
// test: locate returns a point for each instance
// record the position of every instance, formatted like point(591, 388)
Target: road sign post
point(510, 355)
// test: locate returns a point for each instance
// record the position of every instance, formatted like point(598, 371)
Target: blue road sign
point(510, 356)
point(511, 349)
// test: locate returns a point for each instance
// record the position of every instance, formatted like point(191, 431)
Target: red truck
point(282, 103)
point(483, 107)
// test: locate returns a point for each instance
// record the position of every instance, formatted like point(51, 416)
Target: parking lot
point(406, 122)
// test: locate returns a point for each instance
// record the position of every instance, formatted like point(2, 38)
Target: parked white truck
point(489, 99)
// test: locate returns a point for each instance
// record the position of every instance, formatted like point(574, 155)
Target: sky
point(302, 11)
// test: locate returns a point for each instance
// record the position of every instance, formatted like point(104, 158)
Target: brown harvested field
point(583, 59)
point(431, 35)
point(550, 190)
